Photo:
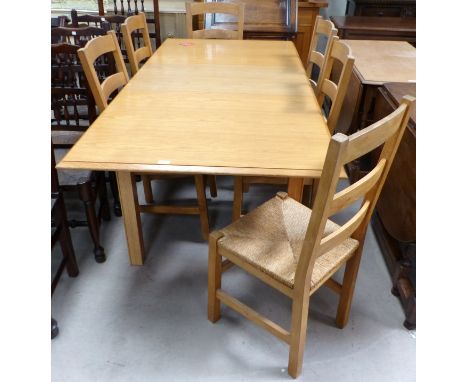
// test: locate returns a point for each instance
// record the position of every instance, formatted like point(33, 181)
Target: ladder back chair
point(297, 250)
point(326, 29)
point(120, 8)
point(133, 27)
point(100, 46)
point(72, 111)
point(112, 84)
point(212, 7)
point(339, 52)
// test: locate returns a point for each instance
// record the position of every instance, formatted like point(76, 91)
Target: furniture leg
point(115, 193)
point(147, 189)
point(296, 188)
point(201, 197)
point(103, 201)
point(86, 197)
point(238, 196)
point(347, 291)
point(213, 186)
point(214, 278)
point(300, 315)
point(65, 238)
point(129, 202)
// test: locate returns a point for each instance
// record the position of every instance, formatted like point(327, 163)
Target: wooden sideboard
point(382, 8)
point(275, 19)
point(376, 28)
point(394, 222)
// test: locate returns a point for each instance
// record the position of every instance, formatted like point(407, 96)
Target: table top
point(400, 24)
point(211, 106)
point(377, 62)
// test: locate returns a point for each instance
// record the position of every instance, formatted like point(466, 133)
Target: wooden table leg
point(238, 197)
point(296, 188)
point(131, 215)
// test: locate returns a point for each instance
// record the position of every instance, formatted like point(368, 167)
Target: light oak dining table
point(222, 107)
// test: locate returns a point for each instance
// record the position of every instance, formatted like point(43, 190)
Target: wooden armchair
point(211, 7)
point(326, 29)
point(297, 250)
point(102, 91)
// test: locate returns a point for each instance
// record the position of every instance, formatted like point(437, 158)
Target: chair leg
point(213, 186)
point(103, 201)
point(349, 282)
point(214, 277)
point(115, 193)
point(201, 196)
point(66, 244)
point(85, 192)
point(238, 196)
point(300, 315)
point(147, 189)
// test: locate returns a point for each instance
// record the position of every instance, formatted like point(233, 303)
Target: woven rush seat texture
point(270, 238)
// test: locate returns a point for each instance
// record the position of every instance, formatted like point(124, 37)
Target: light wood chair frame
point(136, 23)
point(341, 52)
point(342, 149)
point(195, 9)
point(101, 92)
point(326, 29)
point(88, 55)
point(338, 51)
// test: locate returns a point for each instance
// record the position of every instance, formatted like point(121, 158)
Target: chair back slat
point(345, 231)
point(351, 194)
point(341, 150)
point(133, 28)
point(368, 139)
point(340, 52)
point(195, 9)
point(325, 29)
point(95, 48)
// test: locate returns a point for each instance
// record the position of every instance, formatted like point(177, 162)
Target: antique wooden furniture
point(376, 28)
point(376, 62)
point(394, 222)
point(113, 83)
point(297, 250)
point(322, 29)
point(137, 52)
point(328, 90)
point(227, 124)
point(61, 233)
point(72, 109)
point(212, 29)
point(134, 7)
point(275, 19)
point(381, 8)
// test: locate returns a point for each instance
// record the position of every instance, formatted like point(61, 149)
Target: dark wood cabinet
point(376, 28)
point(394, 222)
point(382, 8)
